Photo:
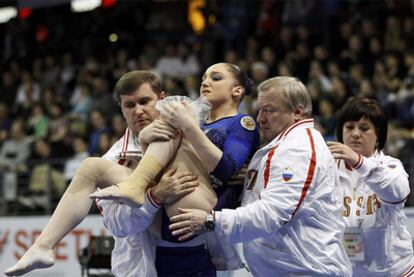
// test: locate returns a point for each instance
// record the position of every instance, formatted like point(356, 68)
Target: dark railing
point(33, 191)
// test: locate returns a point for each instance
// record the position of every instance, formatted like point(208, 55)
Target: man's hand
point(189, 223)
point(343, 152)
point(174, 185)
point(157, 130)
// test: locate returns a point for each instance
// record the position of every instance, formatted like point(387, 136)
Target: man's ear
point(298, 113)
point(162, 95)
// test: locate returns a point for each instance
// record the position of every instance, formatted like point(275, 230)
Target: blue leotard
point(238, 137)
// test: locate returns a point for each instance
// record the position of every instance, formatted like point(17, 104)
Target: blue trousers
point(184, 261)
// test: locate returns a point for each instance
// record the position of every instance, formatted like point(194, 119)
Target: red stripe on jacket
point(268, 162)
point(311, 171)
point(126, 141)
point(409, 273)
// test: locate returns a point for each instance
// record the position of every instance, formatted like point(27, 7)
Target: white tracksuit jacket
point(134, 250)
point(375, 191)
point(291, 216)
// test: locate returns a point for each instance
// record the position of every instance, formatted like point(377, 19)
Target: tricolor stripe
point(268, 162)
point(311, 171)
point(126, 140)
point(152, 200)
point(409, 273)
point(347, 166)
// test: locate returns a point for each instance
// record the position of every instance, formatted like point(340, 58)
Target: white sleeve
point(122, 220)
point(278, 200)
point(387, 179)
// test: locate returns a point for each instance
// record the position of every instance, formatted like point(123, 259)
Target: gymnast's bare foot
point(130, 194)
point(34, 258)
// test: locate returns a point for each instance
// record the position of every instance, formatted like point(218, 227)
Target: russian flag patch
point(287, 174)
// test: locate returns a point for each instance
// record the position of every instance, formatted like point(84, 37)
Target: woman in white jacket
point(375, 187)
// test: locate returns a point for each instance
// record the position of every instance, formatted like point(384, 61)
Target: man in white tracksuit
point(291, 216)
point(134, 251)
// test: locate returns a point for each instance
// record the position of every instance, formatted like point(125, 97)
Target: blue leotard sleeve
point(239, 145)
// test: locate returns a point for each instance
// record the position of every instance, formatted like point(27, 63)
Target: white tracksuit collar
point(305, 123)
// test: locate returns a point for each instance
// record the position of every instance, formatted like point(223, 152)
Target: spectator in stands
point(47, 183)
point(191, 87)
point(5, 122)
point(102, 97)
point(326, 117)
point(38, 121)
point(366, 89)
point(80, 147)
point(15, 150)
point(67, 70)
point(375, 187)
point(118, 126)
point(169, 64)
point(28, 92)
point(51, 72)
point(190, 65)
point(59, 135)
point(105, 143)
point(81, 101)
point(8, 89)
point(317, 76)
point(268, 56)
point(99, 125)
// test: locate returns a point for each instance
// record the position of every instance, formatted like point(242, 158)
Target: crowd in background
point(57, 104)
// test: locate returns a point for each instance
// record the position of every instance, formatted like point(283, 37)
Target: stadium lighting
point(195, 15)
point(7, 13)
point(84, 5)
point(113, 37)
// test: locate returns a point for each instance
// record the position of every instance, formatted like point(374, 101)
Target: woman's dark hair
point(359, 107)
point(241, 78)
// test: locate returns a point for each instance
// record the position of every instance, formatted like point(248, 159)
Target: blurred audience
point(60, 92)
point(15, 150)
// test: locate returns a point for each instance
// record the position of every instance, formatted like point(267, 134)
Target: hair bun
point(249, 85)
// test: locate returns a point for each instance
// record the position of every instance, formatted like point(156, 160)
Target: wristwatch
point(209, 222)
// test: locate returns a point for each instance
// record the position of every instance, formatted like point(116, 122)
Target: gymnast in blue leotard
point(224, 144)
